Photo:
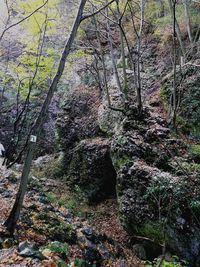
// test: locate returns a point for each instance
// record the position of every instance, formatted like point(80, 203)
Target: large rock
point(77, 120)
point(92, 170)
point(158, 204)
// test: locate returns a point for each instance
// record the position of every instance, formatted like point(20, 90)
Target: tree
point(136, 64)
point(20, 21)
point(114, 64)
point(172, 5)
point(139, 40)
point(15, 212)
point(13, 217)
point(187, 17)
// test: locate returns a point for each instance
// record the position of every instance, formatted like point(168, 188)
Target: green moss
point(164, 96)
point(54, 169)
point(79, 262)
point(195, 150)
point(154, 231)
point(120, 161)
point(75, 202)
point(51, 169)
point(54, 227)
point(58, 247)
point(190, 167)
point(151, 230)
point(174, 262)
point(183, 125)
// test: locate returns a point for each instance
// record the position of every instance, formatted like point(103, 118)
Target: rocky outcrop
point(86, 162)
point(91, 169)
point(77, 120)
point(156, 201)
point(109, 120)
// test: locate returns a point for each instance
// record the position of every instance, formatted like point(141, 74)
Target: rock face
point(156, 198)
point(92, 170)
point(109, 120)
point(78, 120)
point(86, 162)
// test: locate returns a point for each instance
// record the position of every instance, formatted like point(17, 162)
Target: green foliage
point(55, 227)
point(24, 69)
point(34, 22)
point(153, 230)
point(51, 169)
point(81, 54)
point(62, 263)
point(164, 96)
point(195, 150)
point(195, 205)
point(58, 247)
point(189, 111)
point(54, 169)
point(27, 69)
point(75, 201)
point(190, 167)
point(175, 262)
point(79, 262)
point(120, 161)
point(190, 107)
point(159, 193)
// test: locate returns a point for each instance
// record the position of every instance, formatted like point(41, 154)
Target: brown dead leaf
point(49, 263)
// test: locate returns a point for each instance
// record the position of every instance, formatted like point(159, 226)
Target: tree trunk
point(187, 17)
point(125, 85)
point(174, 98)
point(15, 212)
point(178, 31)
point(139, 84)
point(113, 56)
point(103, 61)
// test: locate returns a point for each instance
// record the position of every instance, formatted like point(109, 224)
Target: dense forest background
point(102, 99)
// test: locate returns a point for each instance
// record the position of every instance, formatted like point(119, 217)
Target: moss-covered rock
point(156, 205)
point(92, 170)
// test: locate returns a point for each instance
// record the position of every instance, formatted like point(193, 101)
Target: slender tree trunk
point(178, 31)
point(125, 85)
point(139, 84)
point(187, 17)
point(113, 56)
point(15, 212)
point(174, 98)
point(102, 61)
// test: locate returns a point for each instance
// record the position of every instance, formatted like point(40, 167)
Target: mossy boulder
point(77, 120)
point(156, 205)
point(92, 170)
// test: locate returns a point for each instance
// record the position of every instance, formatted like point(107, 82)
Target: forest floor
point(59, 229)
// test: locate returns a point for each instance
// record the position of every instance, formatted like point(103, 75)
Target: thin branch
point(20, 21)
point(96, 12)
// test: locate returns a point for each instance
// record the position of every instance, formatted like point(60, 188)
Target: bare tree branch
point(96, 12)
point(20, 21)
